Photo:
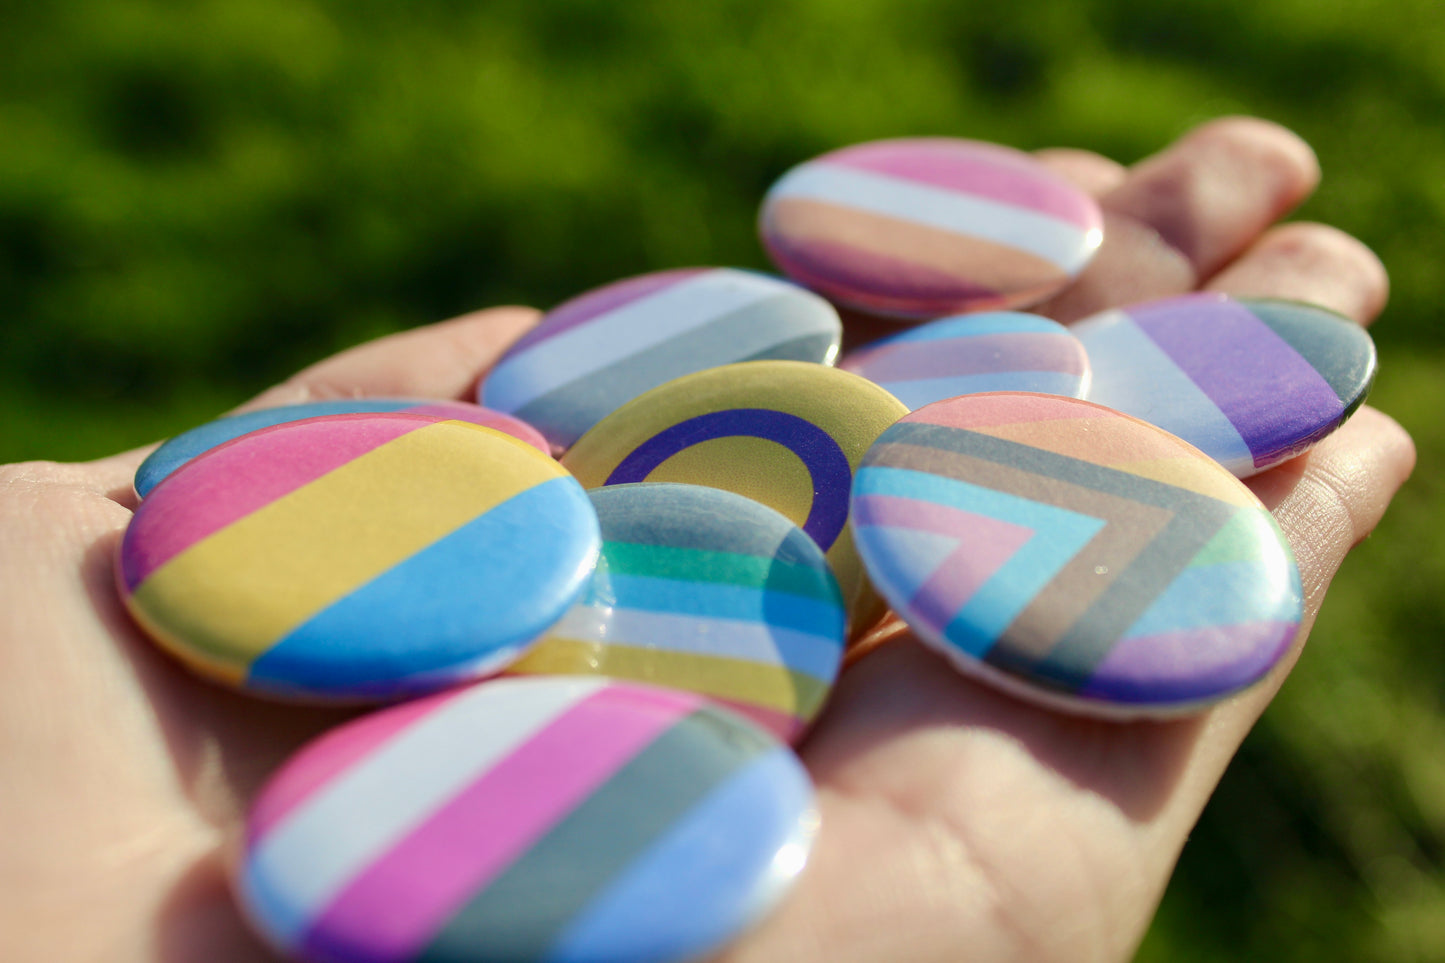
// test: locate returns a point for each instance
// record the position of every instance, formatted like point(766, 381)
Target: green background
point(198, 198)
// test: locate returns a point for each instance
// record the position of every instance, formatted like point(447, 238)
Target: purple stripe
point(855, 276)
point(1249, 379)
point(827, 466)
point(984, 170)
point(585, 307)
point(1169, 667)
point(979, 354)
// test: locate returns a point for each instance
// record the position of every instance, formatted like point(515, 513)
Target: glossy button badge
point(1074, 555)
point(972, 353)
point(595, 352)
point(1250, 382)
point(527, 819)
point(187, 445)
point(783, 433)
point(929, 227)
point(704, 590)
point(355, 557)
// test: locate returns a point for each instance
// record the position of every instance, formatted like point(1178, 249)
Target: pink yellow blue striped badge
point(923, 228)
point(560, 818)
point(358, 556)
point(972, 353)
point(703, 590)
point(1075, 556)
point(183, 447)
point(592, 354)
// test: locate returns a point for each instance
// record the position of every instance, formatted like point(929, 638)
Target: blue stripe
point(918, 392)
point(1059, 535)
point(274, 914)
point(968, 497)
point(183, 447)
point(998, 601)
point(708, 879)
point(1228, 594)
point(487, 589)
point(718, 601)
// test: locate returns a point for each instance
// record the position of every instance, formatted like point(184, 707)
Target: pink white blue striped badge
point(559, 818)
point(924, 228)
point(971, 353)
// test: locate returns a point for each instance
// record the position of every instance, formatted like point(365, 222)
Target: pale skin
point(957, 823)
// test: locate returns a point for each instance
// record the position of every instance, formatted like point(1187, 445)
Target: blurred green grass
point(196, 199)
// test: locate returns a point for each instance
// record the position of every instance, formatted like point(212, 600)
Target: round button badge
point(703, 590)
point(356, 557)
point(973, 353)
point(594, 353)
point(1251, 383)
point(929, 227)
point(784, 433)
point(1074, 555)
point(527, 819)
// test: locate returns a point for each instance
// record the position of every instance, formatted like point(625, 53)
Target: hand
point(957, 822)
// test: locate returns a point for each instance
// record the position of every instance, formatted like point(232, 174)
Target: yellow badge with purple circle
point(358, 557)
point(784, 433)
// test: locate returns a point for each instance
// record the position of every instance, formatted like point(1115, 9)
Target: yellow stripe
point(1185, 473)
point(234, 594)
point(770, 686)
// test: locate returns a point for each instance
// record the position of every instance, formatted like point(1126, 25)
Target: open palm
point(958, 823)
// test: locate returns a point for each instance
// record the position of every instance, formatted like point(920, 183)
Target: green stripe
point(724, 568)
point(1238, 540)
point(526, 908)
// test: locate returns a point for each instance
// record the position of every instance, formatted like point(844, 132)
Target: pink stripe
point(329, 756)
point(988, 171)
point(487, 418)
point(1007, 408)
point(599, 301)
point(406, 896)
point(1199, 662)
point(988, 544)
point(979, 354)
point(224, 485)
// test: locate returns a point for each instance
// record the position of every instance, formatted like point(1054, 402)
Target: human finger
point(1326, 501)
point(1179, 216)
point(1310, 262)
point(1090, 172)
point(442, 360)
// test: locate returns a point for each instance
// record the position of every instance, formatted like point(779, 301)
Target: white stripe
point(815, 655)
point(1060, 242)
point(357, 817)
point(1132, 374)
point(624, 331)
